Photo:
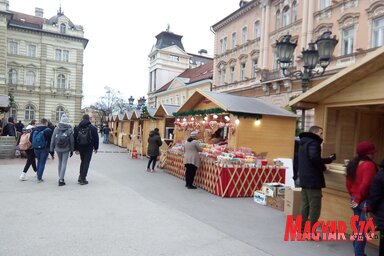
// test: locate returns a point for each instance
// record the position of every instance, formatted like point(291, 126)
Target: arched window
point(278, 24)
point(61, 81)
point(59, 112)
point(31, 78)
point(286, 16)
point(257, 29)
point(63, 28)
point(29, 113)
point(12, 76)
point(378, 32)
point(294, 11)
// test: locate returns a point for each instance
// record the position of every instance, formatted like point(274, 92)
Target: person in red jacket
point(360, 173)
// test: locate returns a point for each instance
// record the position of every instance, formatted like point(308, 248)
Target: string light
point(227, 118)
point(257, 122)
point(237, 121)
point(192, 119)
point(215, 116)
point(205, 118)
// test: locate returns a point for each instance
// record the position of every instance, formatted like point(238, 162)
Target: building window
point(223, 43)
point(174, 57)
point(31, 78)
point(244, 37)
point(13, 113)
point(232, 74)
point(294, 11)
point(183, 98)
point(254, 67)
point(29, 113)
point(234, 41)
point(61, 81)
point(324, 4)
point(63, 28)
point(257, 29)
point(286, 16)
point(12, 76)
point(378, 32)
point(348, 37)
point(13, 47)
point(177, 100)
point(32, 50)
point(278, 20)
point(65, 55)
point(58, 55)
point(59, 112)
point(222, 75)
point(242, 71)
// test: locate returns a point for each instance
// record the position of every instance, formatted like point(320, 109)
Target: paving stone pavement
point(125, 210)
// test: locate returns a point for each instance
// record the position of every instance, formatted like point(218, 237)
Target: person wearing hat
point(31, 157)
point(191, 159)
point(375, 203)
point(63, 143)
point(311, 168)
point(154, 144)
point(360, 173)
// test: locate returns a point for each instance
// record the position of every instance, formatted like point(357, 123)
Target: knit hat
point(64, 119)
point(194, 134)
point(365, 148)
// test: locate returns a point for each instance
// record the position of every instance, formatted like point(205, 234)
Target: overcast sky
point(122, 33)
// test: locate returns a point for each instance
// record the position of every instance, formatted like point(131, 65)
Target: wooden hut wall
point(125, 138)
point(160, 123)
point(275, 135)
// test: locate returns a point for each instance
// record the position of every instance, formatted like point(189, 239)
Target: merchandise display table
point(226, 180)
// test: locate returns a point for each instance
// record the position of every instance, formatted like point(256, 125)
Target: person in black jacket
point(311, 173)
point(375, 203)
point(85, 149)
point(154, 144)
point(9, 129)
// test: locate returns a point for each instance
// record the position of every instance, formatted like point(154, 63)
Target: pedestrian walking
point(191, 159)
point(9, 129)
point(19, 127)
point(375, 204)
point(64, 144)
point(41, 140)
point(311, 173)
point(154, 144)
point(26, 145)
point(86, 142)
point(360, 173)
point(106, 131)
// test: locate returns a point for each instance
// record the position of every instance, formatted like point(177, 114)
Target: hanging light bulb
point(257, 122)
point(184, 119)
point(203, 121)
point(192, 119)
point(237, 121)
point(215, 116)
point(227, 118)
point(205, 118)
point(178, 119)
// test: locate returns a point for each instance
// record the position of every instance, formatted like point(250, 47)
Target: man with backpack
point(26, 145)
point(63, 143)
point(41, 140)
point(86, 142)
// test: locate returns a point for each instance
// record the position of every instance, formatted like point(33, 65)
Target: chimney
point(203, 52)
point(39, 12)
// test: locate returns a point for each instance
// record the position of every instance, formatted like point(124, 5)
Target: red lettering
point(342, 227)
point(292, 230)
point(355, 231)
point(315, 234)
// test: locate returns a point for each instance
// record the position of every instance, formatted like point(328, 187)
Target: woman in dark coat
point(154, 144)
point(375, 203)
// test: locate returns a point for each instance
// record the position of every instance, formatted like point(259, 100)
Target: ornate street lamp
point(319, 52)
point(141, 102)
point(130, 102)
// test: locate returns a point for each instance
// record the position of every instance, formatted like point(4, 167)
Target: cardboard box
point(292, 201)
point(259, 197)
point(273, 189)
point(276, 202)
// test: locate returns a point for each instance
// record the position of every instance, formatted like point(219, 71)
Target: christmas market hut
point(350, 107)
point(243, 122)
point(148, 123)
point(166, 121)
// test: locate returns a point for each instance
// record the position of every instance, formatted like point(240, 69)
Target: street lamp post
point(319, 52)
point(130, 102)
point(141, 102)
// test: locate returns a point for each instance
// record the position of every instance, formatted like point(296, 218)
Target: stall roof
point(235, 103)
point(166, 110)
point(371, 63)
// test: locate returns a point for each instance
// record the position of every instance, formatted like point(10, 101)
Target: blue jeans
point(359, 246)
point(42, 156)
point(106, 138)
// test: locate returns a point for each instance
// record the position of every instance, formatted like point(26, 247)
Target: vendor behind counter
point(218, 137)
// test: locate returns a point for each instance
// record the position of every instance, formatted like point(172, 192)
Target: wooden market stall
point(245, 123)
point(148, 122)
point(350, 108)
point(166, 121)
point(123, 129)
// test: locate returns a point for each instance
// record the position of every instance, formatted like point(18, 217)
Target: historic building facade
point(41, 64)
point(175, 74)
point(245, 42)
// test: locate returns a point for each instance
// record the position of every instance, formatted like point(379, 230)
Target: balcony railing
point(274, 74)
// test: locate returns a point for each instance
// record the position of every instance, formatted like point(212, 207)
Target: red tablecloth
point(226, 180)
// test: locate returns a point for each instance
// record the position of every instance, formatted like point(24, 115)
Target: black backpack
point(84, 137)
point(62, 139)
